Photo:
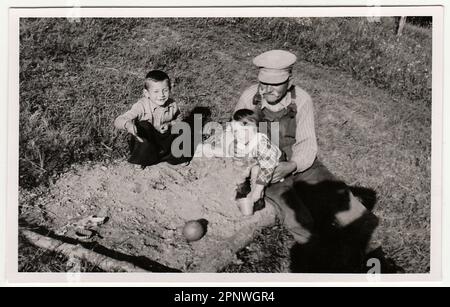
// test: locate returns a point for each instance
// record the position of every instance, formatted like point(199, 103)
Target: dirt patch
point(148, 208)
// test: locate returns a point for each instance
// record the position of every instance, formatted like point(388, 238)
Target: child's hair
point(156, 76)
point(245, 115)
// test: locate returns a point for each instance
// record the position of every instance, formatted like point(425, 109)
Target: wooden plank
point(401, 25)
point(103, 262)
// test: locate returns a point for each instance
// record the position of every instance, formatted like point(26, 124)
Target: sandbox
point(147, 208)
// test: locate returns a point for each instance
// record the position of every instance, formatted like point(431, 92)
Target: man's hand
point(283, 170)
point(131, 128)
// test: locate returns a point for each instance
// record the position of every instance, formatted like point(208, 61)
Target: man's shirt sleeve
point(246, 99)
point(304, 150)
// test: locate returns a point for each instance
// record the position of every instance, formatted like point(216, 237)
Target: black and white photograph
point(296, 145)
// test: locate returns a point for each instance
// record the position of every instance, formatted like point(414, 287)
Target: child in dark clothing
point(149, 121)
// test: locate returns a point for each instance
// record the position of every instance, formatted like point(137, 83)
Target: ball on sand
point(193, 231)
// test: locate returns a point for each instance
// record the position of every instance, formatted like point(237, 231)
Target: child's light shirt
point(158, 116)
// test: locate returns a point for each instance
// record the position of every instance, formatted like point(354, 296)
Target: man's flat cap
point(274, 66)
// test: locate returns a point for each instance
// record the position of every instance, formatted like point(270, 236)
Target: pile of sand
point(148, 208)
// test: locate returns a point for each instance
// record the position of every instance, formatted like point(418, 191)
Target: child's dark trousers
point(155, 147)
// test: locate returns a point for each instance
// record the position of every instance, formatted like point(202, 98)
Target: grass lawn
point(76, 78)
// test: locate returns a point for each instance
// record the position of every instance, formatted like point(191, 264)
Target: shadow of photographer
point(333, 248)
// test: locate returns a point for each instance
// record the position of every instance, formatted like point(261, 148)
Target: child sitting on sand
point(149, 121)
point(249, 143)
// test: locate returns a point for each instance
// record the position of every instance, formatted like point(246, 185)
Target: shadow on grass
point(334, 249)
point(139, 261)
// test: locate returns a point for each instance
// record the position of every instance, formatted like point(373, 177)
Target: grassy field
point(76, 77)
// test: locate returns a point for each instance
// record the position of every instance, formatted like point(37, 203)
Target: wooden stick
point(401, 25)
point(105, 263)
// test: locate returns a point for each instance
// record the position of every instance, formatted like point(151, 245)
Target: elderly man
point(308, 196)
